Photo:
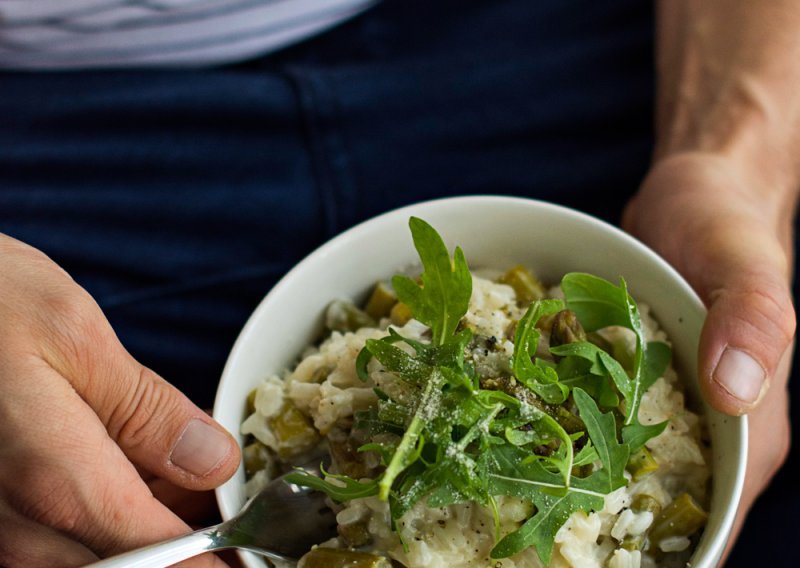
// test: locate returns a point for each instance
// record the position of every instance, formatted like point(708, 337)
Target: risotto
point(488, 421)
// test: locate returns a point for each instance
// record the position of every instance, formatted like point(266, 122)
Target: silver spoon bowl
point(282, 522)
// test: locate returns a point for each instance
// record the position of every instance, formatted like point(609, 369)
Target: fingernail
point(740, 375)
point(200, 448)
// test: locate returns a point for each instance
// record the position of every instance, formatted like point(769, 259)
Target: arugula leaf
point(365, 356)
point(554, 502)
point(454, 474)
point(394, 359)
point(450, 354)
point(373, 421)
point(545, 423)
point(352, 490)
point(598, 303)
point(541, 379)
point(602, 430)
point(552, 511)
point(443, 298)
point(384, 449)
point(586, 456)
point(410, 446)
point(577, 372)
point(602, 363)
point(655, 360)
point(635, 435)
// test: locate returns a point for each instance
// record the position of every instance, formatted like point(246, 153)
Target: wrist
point(740, 134)
point(727, 73)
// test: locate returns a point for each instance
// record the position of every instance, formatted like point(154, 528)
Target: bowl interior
point(494, 232)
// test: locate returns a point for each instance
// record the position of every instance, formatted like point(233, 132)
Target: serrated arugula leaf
point(454, 475)
point(519, 477)
point(365, 355)
point(394, 359)
point(575, 372)
point(598, 304)
point(602, 429)
point(545, 424)
point(554, 501)
point(372, 421)
point(636, 435)
point(352, 490)
point(443, 298)
point(586, 456)
point(414, 371)
point(450, 354)
point(410, 446)
point(601, 363)
point(583, 350)
point(541, 379)
point(539, 531)
point(655, 360)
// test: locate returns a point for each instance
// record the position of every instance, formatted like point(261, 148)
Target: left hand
point(730, 235)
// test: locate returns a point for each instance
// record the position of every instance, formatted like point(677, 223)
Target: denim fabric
point(177, 198)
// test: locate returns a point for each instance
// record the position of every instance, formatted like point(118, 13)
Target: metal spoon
point(281, 522)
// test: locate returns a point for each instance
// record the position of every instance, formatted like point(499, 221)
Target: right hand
point(80, 419)
point(729, 232)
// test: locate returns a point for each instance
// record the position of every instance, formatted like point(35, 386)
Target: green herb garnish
point(555, 502)
point(455, 441)
point(443, 298)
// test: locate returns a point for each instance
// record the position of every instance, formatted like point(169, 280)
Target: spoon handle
point(168, 552)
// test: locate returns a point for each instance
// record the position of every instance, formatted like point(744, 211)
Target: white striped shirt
point(80, 34)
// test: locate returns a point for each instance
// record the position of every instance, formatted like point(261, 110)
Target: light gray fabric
point(79, 34)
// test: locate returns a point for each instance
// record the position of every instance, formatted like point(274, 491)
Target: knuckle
point(143, 412)
point(776, 315)
point(72, 313)
point(75, 327)
point(762, 318)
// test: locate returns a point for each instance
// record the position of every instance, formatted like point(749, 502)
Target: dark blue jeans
point(178, 197)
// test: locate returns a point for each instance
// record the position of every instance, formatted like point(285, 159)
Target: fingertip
point(738, 382)
point(206, 452)
point(745, 336)
point(162, 431)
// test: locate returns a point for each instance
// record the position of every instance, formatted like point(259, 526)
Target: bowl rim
point(716, 546)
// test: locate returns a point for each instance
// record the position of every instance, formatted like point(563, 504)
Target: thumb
point(749, 327)
point(162, 431)
point(157, 427)
point(732, 247)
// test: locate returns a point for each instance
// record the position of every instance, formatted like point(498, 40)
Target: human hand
point(81, 422)
point(730, 235)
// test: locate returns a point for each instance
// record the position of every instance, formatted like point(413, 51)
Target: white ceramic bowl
point(495, 232)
